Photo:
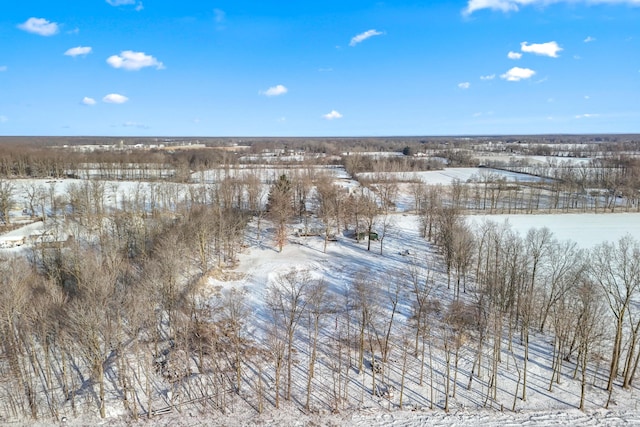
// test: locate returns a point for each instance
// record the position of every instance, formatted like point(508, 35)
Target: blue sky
point(331, 68)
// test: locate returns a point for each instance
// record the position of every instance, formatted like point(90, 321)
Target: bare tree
point(537, 244)
point(589, 328)
point(318, 306)
point(327, 194)
point(7, 192)
point(35, 194)
point(235, 313)
point(287, 297)
point(369, 210)
point(616, 269)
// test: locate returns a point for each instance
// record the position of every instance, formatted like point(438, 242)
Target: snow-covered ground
point(449, 175)
point(266, 173)
point(586, 229)
point(261, 264)
point(533, 160)
point(403, 249)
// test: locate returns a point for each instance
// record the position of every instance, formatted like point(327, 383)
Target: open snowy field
point(266, 173)
point(449, 175)
point(533, 160)
point(586, 229)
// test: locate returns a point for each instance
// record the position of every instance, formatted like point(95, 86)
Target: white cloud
point(3, 68)
point(464, 85)
point(514, 55)
point(39, 26)
point(545, 49)
point(488, 77)
point(586, 116)
point(89, 101)
point(363, 36)
point(77, 51)
point(274, 91)
point(115, 98)
point(121, 2)
point(587, 97)
point(135, 125)
point(514, 5)
point(516, 74)
point(133, 61)
point(4, 119)
point(139, 7)
point(589, 39)
point(332, 115)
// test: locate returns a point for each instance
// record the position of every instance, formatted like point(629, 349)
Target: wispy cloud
point(135, 125)
point(78, 51)
point(4, 119)
point(481, 114)
point(586, 116)
point(274, 91)
point(40, 26)
point(89, 101)
point(133, 61)
point(514, 55)
point(589, 39)
point(116, 3)
point(515, 5)
point(115, 98)
point(516, 74)
point(220, 15)
point(363, 36)
point(550, 49)
point(488, 77)
point(464, 85)
point(220, 18)
point(3, 68)
point(332, 115)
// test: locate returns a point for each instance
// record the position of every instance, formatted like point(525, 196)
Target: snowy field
point(449, 175)
point(587, 230)
point(266, 173)
point(533, 160)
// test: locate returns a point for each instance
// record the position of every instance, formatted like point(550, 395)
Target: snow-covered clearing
point(448, 175)
point(586, 229)
point(266, 173)
point(532, 160)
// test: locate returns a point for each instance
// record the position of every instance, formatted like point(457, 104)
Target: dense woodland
point(120, 313)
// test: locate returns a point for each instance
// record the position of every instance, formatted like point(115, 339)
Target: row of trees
point(537, 283)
